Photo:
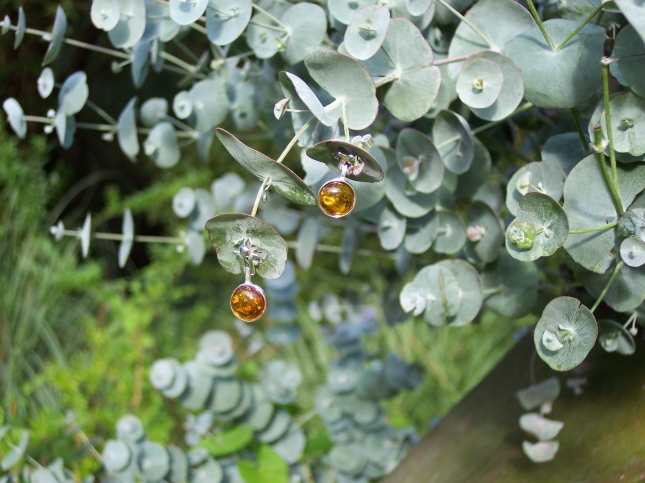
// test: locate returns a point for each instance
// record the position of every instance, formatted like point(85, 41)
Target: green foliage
point(228, 442)
point(270, 468)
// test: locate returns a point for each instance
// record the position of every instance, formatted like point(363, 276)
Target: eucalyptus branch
point(345, 126)
point(388, 55)
point(607, 287)
point(294, 140)
point(538, 20)
point(101, 112)
point(612, 153)
point(270, 16)
point(119, 237)
point(263, 188)
point(581, 134)
point(338, 249)
point(267, 26)
point(450, 60)
point(468, 22)
point(184, 127)
point(594, 229)
point(579, 27)
point(605, 173)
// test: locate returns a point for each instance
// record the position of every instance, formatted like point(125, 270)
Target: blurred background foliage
point(77, 339)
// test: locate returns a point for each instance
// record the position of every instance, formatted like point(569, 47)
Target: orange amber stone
point(248, 302)
point(336, 198)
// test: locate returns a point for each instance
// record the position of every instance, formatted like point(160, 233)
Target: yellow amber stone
point(336, 198)
point(248, 302)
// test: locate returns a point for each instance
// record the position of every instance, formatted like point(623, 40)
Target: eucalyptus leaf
point(284, 181)
point(613, 337)
point(307, 243)
point(632, 251)
point(334, 153)
point(264, 41)
point(549, 223)
point(161, 145)
point(486, 15)
point(420, 160)
point(105, 14)
point(140, 66)
point(510, 286)
point(57, 36)
point(347, 81)
point(153, 111)
point(366, 32)
point(565, 150)
point(226, 20)
point(484, 232)
point(185, 12)
point(627, 124)
point(183, 202)
point(542, 428)
point(561, 79)
point(210, 103)
point(344, 11)
point(73, 94)
point(569, 328)
point(544, 177)
point(633, 11)
point(128, 238)
point(306, 25)
point(537, 394)
point(203, 210)
point(127, 131)
point(196, 245)
point(391, 229)
point(16, 117)
point(407, 200)
point(477, 174)
point(406, 56)
point(421, 232)
point(306, 95)
point(244, 109)
point(540, 452)
point(413, 298)
point(454, 140)
point(46, 82)
point(479, 83)
point(131, 25)
point(451, 235)
point(588, 204)
point(85, 235)
point(21, 28)
point(65, 129)
point(227, 232)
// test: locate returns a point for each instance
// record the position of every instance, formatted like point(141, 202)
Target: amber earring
point(248, 301)
point(337, 197)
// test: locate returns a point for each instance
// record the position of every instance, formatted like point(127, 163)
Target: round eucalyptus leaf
point(116, 456)
point(307, 96)
point(344, 11)
point(185, 12)
point(178, 465)
point(633, 11)
point(127, 131)
point(366, 31)
point(419, 159)
point(154, 462)
point(484, 233)
point(405, 198)
point(540, 452)
point(565, 150)
point(46, 82)
point(204, 209)
point(226, 20)
point(418, 7)
point(588, 204)
point(307, 242)
point(226, 189)
point(421, 232)
point(367, 194)
point(140, 65)
point(196, 246)
point(65, 129)
point(244, 109)
point(561, 79)
point(510, 286)
point(182, 104)
point(513, 88)
point(454, 140)
point(542, 428)
point(85, 234)
point(210, 103)
point(128, 237)
point(451, 235)
point(199, 387)
point(73, 94)
point(183, 202)
point(306, 25)
point(486, 15)
point(627, 123)
point(632, 251)
point(626, 292)
point(549, 223)
point(227, 395)
point(161, 145)
point(153, 111)
point(477, 174)
point(479, 83)
point(347, 459)
point(413, 298)
point(566, 323)
point(333, 152)
point(265, 42)
point(291, 447)
point(391, 229)
point(229, 231)
point(284, 181)
point(105, 14)
point(537, 394)
point(613, 337)
point(544, 177)
point(130, 429)
point(21, 28)
point(163, 373)
point(278, 427)
point(57, 36)
point(131, 25)
point(347, 81)
point(16, 117)
point(410, 62)
point(629, 48)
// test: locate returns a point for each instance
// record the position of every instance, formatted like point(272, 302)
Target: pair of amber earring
point(336, 198)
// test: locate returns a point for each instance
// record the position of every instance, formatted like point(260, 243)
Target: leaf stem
point(338, 249)
point(468, 22)
point(267, 26)
point(345, 126)
point(594, 229)
point(607, 287)
point(612, 153)
point(258, 197)
point(450, 60)
point(388, 78)
point(579, 27)
point(576, 120)
point(294, 140)
point(538, 20)
point(270, 16)
point(605, 173)
point(119, 237)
